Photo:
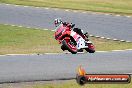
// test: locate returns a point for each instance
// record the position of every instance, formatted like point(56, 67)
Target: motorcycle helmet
point(57, 22)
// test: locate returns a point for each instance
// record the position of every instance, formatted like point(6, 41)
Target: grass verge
point(23, 40)
point(64, 84)
point(73, 84)
point(16, 40)
point(109, 6)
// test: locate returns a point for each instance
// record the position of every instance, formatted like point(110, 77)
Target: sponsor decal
point(82, 78)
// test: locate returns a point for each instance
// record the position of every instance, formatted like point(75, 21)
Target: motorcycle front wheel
point(70, 47)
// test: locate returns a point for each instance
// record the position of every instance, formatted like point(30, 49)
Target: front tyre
point(63, 47)
point(70, 47)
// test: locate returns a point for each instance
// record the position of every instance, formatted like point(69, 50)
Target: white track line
point(17, 5)
point(128, 49)
point(75, 11)
point(26, 6)
point(107, 14)
point(67, 10)
point(108, 38)
point(6, 24)
point(36, 28)
point(115, 50)
point(128, 16)
point(102, 51)
point(90, 35)
point(45, 29)
point(37, 7)
point(46, 8)
point(122, 40)
point(117, 15)
point(52, 30)
point(13, 25)
point(64, 53)
point(20, 26)
point(28, 27)
point(84, 12)
point(97, 36)
point(51, 53)
point(102, 37)
point(7, 4)
point(115, 39)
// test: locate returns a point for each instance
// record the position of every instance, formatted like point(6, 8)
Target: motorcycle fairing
point(80, 43)
point(79, 40)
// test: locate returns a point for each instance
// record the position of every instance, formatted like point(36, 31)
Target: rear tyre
point(81, 50)
point(90, 50)
point(68, 47)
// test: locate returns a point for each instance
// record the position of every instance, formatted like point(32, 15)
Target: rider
point(58, 21)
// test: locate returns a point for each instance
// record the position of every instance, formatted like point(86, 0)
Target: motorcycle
point(72, 41)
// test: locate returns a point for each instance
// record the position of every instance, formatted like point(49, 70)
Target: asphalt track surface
point(119, 27)
point(62, 66)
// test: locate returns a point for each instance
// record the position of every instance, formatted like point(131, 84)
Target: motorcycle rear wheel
point(90, 50)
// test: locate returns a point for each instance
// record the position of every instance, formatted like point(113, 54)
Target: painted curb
point(110, 39)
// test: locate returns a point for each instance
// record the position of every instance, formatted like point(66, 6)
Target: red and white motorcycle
point(72, 41)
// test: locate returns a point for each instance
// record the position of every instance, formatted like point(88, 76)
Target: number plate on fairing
point(80, 43)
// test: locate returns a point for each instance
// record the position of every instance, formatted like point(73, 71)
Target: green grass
point(109, 6)
point(108, 45)
point(73, 84)
point(64, 84)
point(16, 40)
point(23, 40)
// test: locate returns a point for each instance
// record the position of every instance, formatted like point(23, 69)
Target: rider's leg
point(79, 31)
